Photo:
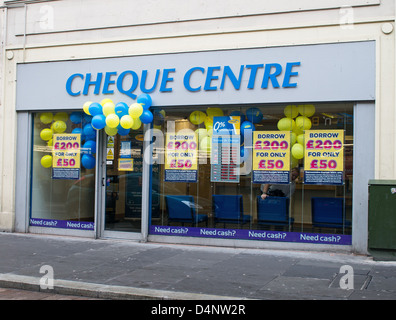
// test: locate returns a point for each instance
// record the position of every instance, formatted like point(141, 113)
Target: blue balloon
point(79, 131)
point(98, 122)
point(88, 161)
point(95, 108)
point(145, 100)
point(121, 109)
point(89, 132)
point(254, 115)
point(122, 131)
point(76, 117)
point(238, 113)
point(89, 147)
point(247, 125)
point(146, 117)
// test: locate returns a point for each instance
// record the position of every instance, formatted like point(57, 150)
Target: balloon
point(76, 117)
point(201, 133)
point(146, 117)
point(46, 117)
point(145, 100)
point(238, 113)
point(291, 111)
point(247, 125)
point(111, 131)
point(46, 161)
point(89, 147)
point(206, 144)
point(46, 134)
point(121, 109)
point(214, 112)
point(303, 123)
point(108, 108)
point(89, 132)
point(126, 122)
point(301, 139)
point(197, 117)
point(297, 151)
point(106, 100)
point(50, 142)
point(293, 138)
point(88, 161)
point(286, 124)
point(86, 107)
point(135, 110)
point(306, 110)
point(95, 108)
point(78, 131)
point(254, 115)
point(136, 124)
point(122, 131)
point(208, 122)
point(59, 126)
point(98, 121)
point(112, 120)
point(61, 116)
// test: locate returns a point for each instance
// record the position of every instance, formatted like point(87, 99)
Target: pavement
point(129, 270)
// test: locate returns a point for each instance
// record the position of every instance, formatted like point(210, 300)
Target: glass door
point(122, 181)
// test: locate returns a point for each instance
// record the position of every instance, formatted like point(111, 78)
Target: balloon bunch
point(204, 134)
point(297, 120)
point(119, 118)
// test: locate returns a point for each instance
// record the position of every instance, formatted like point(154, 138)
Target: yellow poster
point(271, 156)
point(66, 151)
point(181, 154)
point(324, 157)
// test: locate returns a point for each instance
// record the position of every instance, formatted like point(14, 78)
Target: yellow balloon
point(46, 161)
point(206, 144)
point(126, 122)
point(197, 117)
point(46, 117)
point(297, 151)
point(286, 124)
point(208, 122)
point(86, 107)
point(210, 132)
point(59, 126)
point(214, 112)
point(307, 110)
point(291, 111)
point(110, 131)
point(46, 134)
point(50, 142)
point(112, 120)
point(136, 124)
point(293, 138)
point(108, 108)
point(303, 123)
point(201, 133)
point(104, 101)
point(135, 110)
point(301, 139)
point(61, 116)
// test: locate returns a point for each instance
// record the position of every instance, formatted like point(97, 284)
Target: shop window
point(213, 173)
point(63, 171)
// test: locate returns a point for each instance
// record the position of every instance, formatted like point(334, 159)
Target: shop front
point(252, 147)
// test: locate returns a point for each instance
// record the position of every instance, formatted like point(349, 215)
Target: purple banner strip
point(265, 235)
point(64, 224)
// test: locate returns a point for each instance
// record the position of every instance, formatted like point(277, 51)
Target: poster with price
point(66, 156)
point(181, 156)
point(271, 157)
point(324, 157)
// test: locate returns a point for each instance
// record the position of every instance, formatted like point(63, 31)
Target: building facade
point(218, 123)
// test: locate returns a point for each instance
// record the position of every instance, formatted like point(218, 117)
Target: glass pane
point(62, 197)
point(214, 196)
point(124, 181)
